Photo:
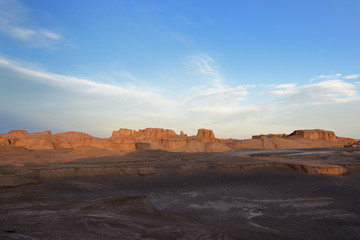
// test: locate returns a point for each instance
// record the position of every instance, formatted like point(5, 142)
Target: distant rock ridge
point(315, 134)
point(319, 134)
point(165, 139)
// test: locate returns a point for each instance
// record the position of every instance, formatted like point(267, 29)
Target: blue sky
point(237, 67)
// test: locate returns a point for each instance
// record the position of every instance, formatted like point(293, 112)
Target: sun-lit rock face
point(319, 134)
point(156, 133)
point(44, 133)
point(71, 137)
point(127, 140)
point(123, 132)
point(206, 133)
point(316, 134)
point(16, 133)
point(173, 144)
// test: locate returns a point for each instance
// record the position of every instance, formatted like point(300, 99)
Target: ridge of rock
point(166, 139)
point(315, 134)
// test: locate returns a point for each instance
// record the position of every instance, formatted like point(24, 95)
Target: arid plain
point(156, 184)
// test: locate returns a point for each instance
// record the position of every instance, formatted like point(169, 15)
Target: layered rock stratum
point(127, 140)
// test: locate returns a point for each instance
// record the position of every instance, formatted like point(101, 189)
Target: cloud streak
point(80, 85)
point(16, 24)
point(215, 95)
point(354, 76)
point(318, 93)
point(205, 66)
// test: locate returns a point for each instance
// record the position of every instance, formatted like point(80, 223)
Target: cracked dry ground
point(263, 203)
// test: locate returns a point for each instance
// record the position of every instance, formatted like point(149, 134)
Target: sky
point(240, 68)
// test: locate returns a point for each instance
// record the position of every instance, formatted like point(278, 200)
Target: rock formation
point(206, 135)
point(127, 140)
point(319, 134)
point(316, 134)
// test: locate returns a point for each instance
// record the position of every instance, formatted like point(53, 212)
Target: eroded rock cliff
point(165, 139)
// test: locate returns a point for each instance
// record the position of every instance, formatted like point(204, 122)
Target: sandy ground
point(182, 199)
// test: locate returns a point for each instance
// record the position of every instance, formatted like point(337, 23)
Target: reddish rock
point(123, 132)
point(35, 143)
point(165, 139)
point(173, 144)
point(205, 134)
point(195, 146)
point(16, 134)
point(316, 134)
point(71, 137)
point(156, 133)
point(41, 134)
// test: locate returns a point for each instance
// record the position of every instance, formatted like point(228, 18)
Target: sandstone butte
point(127, 140)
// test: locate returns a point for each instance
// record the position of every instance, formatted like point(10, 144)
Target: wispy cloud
point(205, 66)
point(318, 93)
point(80, 85)
point(284, 89)
point(15, 23)
point(220, 97)
point(354, 76)
point(329, 76)
point(336, 76)
point(215, 93)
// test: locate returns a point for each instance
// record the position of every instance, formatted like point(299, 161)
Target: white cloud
point(284, 89)
point(318, 93)
point(286, 86)
point(337, 75)
point(224, 96)
point(205, 66)
point(354, 76)
point(50, 35)
point(15, 23)
point(80, 85)
point(215, 93)
point(225, 110)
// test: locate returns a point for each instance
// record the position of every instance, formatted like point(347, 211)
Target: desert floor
point(181, 196)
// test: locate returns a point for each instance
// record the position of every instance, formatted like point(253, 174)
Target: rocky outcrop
point(261, 136)
point(205, 135)
point(127, 140)
point(156, 133)
point(16, 134)
point(40, 140)
point(152, 133)
point(316, 134)
point(320, 135)
point(123, 132)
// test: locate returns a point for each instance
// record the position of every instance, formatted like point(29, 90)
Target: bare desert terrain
point(87, 192)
